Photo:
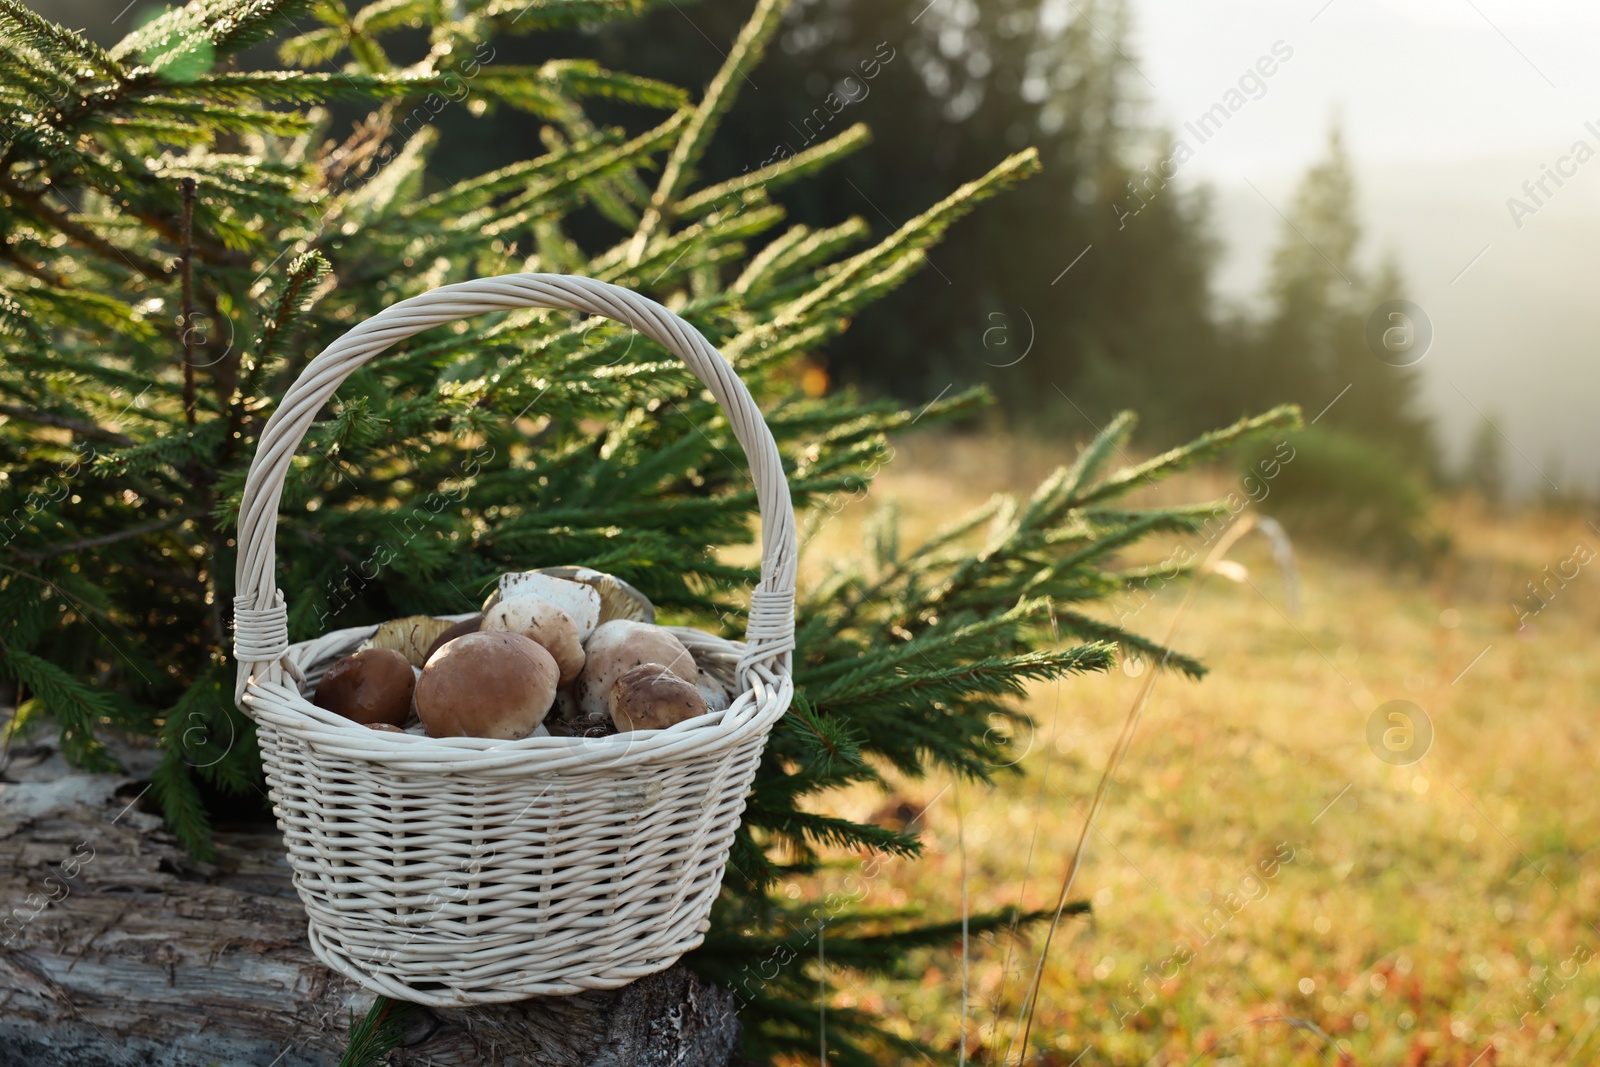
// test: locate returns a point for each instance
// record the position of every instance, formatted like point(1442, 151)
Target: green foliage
point(182, 235)
point(1352, 493)
point(376, 1034)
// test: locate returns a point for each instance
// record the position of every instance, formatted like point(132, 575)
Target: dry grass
point(1439, 913)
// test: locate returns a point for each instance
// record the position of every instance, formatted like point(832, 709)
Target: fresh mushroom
point(618, 599)
point(457, 629)
point(617, 647)
point(713, 690)
point(487, 684)
point(651, 697)
point(411, 636)
point(576, 599)
point(371, 686)
point(542, 621)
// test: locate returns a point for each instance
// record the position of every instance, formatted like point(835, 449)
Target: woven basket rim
point(755, 709)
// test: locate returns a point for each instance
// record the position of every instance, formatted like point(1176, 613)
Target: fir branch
point(167, 118)
point(312, 48)
point(1083, 626)
point(47, 38)
point(302, 278)
point(719, 96)
point(803, 829)
point(76, 707)
point(81, 427)
point(1282, 419)
point(994, 675)
point(383, 16)
point(918, 232)
point(126, 533)
point(527, 175)
point(34, 204)
point(377, 1034)
point(777, 174)
point(829, 749)
point(224, 26)
point(526, 16)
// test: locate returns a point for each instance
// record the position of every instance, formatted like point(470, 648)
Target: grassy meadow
point(1264, 888)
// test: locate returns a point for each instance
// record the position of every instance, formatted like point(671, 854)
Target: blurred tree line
point(1057, 299)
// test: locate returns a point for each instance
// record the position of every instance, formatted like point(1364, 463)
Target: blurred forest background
point(1087, 290)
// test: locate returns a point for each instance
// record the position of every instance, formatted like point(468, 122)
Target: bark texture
point(120, 950)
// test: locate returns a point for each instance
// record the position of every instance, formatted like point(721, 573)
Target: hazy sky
point(1448, 107)
point(1414, 80)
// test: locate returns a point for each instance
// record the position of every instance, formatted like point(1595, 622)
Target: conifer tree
point(1314, 343)
point(182, 234)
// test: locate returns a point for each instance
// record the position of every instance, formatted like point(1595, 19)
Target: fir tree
point(181, 234)
point(1313, 346)
point(1484, 468)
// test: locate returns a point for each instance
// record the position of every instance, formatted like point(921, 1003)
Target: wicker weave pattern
point(452, 871)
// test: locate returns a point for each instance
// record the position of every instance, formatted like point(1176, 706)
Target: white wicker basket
point(453, 871)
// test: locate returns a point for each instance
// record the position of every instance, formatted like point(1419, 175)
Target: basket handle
point(261, 625)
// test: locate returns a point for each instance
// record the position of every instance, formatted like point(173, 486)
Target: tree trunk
point(121, 950)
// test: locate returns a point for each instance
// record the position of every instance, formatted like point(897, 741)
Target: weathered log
point(119, 949)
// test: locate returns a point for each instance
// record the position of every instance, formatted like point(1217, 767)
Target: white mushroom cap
point(618, 599)
point(651, 697)
point(576, 599)
point(542, 621)
point(617, 647)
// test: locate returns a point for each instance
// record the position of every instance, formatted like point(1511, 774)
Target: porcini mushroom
point(618, 599)
point(370, 686)
point(574, 598)
point(651, 697)
point(617, 647)
point(487, 684)
point(457, 629)
point(539, 620)
point(411, 636)
point(713, 690)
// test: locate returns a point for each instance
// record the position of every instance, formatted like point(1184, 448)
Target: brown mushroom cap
point(385, 727)
point(713, 690)
point(498, 685)
point(617, 647)
point(371, 686)
point(457, 629)
point(651, 697)
point(542, 621)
